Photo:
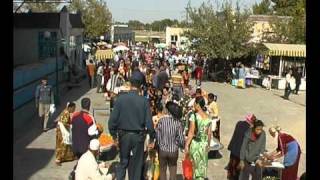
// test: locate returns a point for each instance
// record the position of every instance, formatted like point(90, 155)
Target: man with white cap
point(88, 167)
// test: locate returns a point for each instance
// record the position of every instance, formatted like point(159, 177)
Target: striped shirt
point(169, 134)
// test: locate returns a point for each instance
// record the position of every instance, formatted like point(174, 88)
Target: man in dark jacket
point(163, 78)
point(129, 120)
point(297, 76)
point(81, 122)
point(235, 146)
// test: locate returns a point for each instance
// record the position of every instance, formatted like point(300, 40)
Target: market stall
point(103, 55)
point(278, 59)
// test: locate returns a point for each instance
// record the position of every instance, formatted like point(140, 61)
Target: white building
point(174, 36)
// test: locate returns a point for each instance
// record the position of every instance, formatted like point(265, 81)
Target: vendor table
point(267, 171)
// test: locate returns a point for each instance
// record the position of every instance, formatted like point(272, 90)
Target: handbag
point(187, 168)
point(66, 135)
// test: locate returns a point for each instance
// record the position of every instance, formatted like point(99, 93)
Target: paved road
point(34, 152)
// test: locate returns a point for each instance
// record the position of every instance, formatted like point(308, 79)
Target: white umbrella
point(120, 48)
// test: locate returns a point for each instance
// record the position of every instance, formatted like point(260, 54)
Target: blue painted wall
point(24, 90)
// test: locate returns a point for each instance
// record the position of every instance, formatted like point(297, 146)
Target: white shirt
point(88, 169)
point(100, 70)
point(116, 58)
point(288, 77)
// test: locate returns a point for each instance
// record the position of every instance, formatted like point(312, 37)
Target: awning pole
point(280, 67)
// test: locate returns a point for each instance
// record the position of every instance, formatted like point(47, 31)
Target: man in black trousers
point(129, 120)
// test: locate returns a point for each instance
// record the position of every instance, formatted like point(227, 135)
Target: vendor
point(290, 149)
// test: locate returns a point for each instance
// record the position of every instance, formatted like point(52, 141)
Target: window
point(174, 38)
point(47, 46)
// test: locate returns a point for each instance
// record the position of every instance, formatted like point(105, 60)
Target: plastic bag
point(52, 108)
point(156, 172)
point(187, 168)
point(149, 168)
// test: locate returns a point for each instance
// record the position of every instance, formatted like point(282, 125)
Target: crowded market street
point(34, 152)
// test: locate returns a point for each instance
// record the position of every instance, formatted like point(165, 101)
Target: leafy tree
point(136, 25)
point(41, 7)
point(95, 15)
point(221, 34)
point(292, 30)
point(263, 8)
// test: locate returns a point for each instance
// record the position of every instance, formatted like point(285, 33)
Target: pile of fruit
point(105, 140)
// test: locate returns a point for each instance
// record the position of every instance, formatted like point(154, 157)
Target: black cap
point(136, 79)
point(174, 109)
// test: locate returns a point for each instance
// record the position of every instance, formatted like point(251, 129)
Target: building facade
point(37, 41)
point(262, 26)
point(175, 37)
point(120, 33)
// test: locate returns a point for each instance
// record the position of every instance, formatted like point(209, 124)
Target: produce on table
point(105, 140)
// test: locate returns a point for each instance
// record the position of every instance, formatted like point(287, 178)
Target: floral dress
point(198, 147)
point(63, 151)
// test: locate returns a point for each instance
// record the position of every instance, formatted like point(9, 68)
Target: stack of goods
point(106, 142)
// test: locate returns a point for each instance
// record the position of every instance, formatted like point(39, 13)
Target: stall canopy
point(104, 54)
point(120, 48)
point(289, 50)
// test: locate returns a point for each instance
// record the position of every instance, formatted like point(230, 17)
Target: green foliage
point(136, 25)
point(221, 34)
point(42, 7)
point(263, 8)
point(294, 30)
point(95, 15)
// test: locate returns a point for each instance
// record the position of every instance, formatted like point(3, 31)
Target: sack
point(187, 168)
point(234, 82)
point(108, 85)
point(241, 83)
point(66, 135)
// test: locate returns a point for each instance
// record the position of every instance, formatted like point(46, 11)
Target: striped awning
point(289, 50)
point(104, 54)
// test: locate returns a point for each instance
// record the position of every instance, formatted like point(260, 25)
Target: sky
point(147, 11)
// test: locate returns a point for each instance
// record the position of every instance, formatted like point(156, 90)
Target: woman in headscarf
point(63, 147)
point(198, 140)
point(290, 149)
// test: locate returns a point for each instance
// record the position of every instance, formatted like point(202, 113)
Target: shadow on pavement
point(33, 160)
point(281, 96)
point(214, 155)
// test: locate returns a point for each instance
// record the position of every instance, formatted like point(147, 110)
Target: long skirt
point(233, 171)
point(199, 157)
point(291, 172)
point(63, 152)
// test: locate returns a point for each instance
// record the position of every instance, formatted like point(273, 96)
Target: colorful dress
point(63, 151)
point(198, 147)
